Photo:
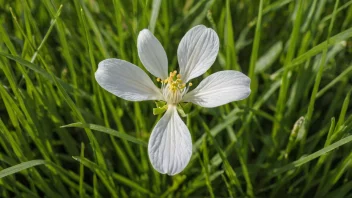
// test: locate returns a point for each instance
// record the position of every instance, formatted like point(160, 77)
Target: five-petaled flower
point(170, 143)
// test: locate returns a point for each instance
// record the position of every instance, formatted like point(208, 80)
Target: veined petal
point(197, 51)
point(152, 54)
point(170, 144)
point(220, 88)
point(126, 80)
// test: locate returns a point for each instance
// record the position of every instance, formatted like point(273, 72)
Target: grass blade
point(155, 13)
point(19, 167)
point(95, 168)
point(312, 156)
point(69, 88)
point(108, 131)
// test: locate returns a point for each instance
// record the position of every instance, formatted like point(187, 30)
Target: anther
point(181, 86)
point(158, 79)
point(190, 84)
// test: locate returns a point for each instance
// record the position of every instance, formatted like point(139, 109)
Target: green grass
point(62, 135)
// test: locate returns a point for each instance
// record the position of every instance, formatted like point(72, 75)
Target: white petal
point(170, 144)
point(220, 88)
point(126, 81)
point(152, 54)
point(197, 52)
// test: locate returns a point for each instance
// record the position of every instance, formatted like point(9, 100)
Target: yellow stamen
point(182, 86)
point(158, 79)
point(174, 88)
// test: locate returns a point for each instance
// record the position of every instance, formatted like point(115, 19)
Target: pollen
point(175, 82)
point(173, 87)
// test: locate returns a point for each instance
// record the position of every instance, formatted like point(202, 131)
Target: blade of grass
point(285, 81)
point(265, 61)
point(342, 191)
point(313, 97)
point(45, 74)
point(342, 36)
point(228, 168)
point(254, 55)
point(231, 54)
point(333, 82)
point(52, 24)
point(102, 175)
point(108, 131)
point(81, 173)
point(311, 157)
point(95, 168)
point(206, 166)
point(19, 167)
point(154, 16)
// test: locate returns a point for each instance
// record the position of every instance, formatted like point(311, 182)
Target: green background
point(62, 135)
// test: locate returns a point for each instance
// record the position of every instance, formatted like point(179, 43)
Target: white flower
point(170, 144)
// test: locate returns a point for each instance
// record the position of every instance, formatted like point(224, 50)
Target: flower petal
point(126, 80)
point(197, 51)
point(152, 54)
point(220, 88)
point(170, 144)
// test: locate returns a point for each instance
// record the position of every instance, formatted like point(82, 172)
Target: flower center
point(173, 88)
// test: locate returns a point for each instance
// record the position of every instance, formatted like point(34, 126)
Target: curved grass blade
point(108, 131)
point(19, 167)
point(340, 37)
point(123, 180)
point(312, 156)
point(68, 87)
point(154, 15)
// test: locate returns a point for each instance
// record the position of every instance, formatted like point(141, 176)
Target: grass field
point(62, 135)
